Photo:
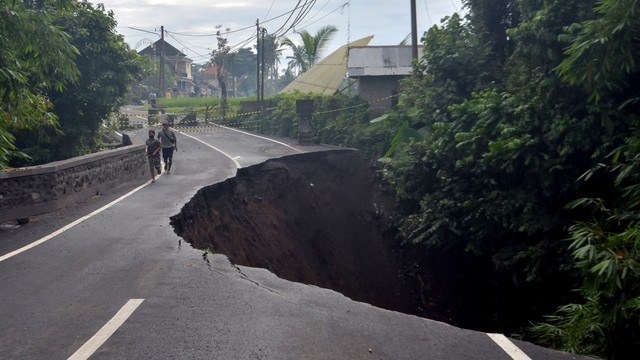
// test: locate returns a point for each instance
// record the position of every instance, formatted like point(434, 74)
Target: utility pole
point(262, 70)
point(258, 52)
point(414, 31)
point(162, 81)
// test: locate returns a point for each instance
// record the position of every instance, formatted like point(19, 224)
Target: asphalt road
point(121, 285)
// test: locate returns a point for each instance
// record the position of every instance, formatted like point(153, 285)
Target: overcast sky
point(190, 25)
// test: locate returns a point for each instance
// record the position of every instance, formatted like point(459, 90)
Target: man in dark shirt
point(153, 153)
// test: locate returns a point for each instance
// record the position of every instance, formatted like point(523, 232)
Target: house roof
point(170, 51)
point(325, 76)
point(380, 61)
point(211, 69)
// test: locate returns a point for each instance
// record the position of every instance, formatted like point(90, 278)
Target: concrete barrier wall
point(35, 190)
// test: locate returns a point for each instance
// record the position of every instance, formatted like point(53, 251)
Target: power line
point(302, 15)
point(427, 9)
point(241, 29)
point(290, 14)
point(327, 14)
point(454, 5)
point(320, 10)
point(299, 13)
point(185, 46)
point(270, 7)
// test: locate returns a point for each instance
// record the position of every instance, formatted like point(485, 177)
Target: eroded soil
point(327, 219)
point(318, 218)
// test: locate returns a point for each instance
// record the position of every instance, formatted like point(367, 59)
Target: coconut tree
point(272, 53)
point(310, 49)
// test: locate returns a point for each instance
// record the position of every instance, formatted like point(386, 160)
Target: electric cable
point(291, 14)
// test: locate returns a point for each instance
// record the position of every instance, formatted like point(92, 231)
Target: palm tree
point(272, 53)
point(309, 51)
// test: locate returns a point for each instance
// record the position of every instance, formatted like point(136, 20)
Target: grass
point(200, 102)
point(208, 108)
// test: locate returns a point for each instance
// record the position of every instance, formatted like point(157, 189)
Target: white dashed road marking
point(510, 348)
point(106, 331)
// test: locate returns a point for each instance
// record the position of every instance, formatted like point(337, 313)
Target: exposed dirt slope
point(318, 218)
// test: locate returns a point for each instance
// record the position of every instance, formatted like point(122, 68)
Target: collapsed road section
point(321, 218)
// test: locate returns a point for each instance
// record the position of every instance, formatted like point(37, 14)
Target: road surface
point(111, 280)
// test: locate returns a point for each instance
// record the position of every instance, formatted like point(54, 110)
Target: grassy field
point(204, 109)
point(200, 102)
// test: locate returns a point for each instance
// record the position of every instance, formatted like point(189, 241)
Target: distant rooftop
point(380, 60)
point(170, 52)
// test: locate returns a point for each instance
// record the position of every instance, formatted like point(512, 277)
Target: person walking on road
point(153, 153)
point(169, 144)
point(152, 99)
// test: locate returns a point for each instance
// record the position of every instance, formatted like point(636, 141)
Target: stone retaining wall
point(40, 189)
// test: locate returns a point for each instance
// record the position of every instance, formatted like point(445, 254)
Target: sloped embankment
point(318, 218)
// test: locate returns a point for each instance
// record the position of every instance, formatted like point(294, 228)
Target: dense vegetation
point(64, 70)
point(34, 60)
point(514, 151)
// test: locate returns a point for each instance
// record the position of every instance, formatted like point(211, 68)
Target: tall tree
point(498, 161)
point(244, 69)
point(602, 59)
point(490, 21)
point(272, 54)
point(310, 49)
point(107, 67)
point(220, 57)
point(36, 58)
point(604, 55)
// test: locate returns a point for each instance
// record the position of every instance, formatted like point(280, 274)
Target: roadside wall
point(41, 189)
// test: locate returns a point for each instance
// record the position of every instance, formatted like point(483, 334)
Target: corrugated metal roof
point(325, 76)
point(380, 61)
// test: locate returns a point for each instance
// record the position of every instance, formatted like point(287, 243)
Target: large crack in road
point(321, 218)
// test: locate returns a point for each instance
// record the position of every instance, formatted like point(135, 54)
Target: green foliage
point(606, 250)
point(272, 52)
point(191, 102)
point(481, 175)
point(453, 65)
point(107, 67)
point(404, 135)
point(501, 151)
point(221, 58)
point(605, 247)
point(614, 32)
point(494, 171)
point(150, 76)
point(309, 52)
point(491, 21)
point(339, 119)
point(35, 59)
point(244, 69)
point(281, 119)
